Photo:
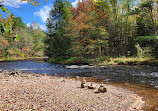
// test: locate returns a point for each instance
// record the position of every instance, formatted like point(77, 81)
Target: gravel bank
point(48, 93)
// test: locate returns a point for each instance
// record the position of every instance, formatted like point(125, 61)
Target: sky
point(30, 13)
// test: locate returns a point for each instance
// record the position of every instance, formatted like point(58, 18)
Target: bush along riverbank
point(79, 61)
point(131, 61)
point(106, 60)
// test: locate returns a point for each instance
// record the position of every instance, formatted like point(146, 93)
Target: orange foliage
point(5, 42)
point(89, 8)
point(27, 49)
point(87, 17)
point(33, 2)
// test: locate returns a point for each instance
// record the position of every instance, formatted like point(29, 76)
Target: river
point(139, 75)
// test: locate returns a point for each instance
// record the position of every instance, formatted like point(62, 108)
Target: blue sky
point(30, 13)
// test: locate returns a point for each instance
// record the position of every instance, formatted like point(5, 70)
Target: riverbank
point(149, 95)
point(28, 91)
point(106, 61)
point(131, 61)
point(21, 58)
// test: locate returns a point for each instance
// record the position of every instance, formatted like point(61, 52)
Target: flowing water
point(140, 75)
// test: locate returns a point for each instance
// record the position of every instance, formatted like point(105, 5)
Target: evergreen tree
point(58, 45)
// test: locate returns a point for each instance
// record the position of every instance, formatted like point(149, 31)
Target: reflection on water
point(144, 75)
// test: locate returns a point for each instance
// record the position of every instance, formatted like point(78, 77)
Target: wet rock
point(102, 88)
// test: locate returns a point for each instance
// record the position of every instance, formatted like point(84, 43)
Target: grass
point(124, 59)
point(72, 60)
point(98, 60)
point(77, 60)
point(106, 60)
point(146, 38)
point(130, 61)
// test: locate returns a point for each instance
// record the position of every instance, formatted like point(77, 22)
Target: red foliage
point(27, 49)
point(89, 8)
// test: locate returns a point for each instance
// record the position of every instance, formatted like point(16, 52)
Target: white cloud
point(12, 3)
point(43, 27)
point(43, 13)
point(28, 24)
point(74, 4)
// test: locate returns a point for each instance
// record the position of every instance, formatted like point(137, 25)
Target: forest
point(19, 41)
point(93, 31)
point(102, 29)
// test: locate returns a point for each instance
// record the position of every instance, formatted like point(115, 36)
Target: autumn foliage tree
point(87, 30)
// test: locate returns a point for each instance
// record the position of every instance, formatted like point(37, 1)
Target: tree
point(38, 37)
point(145, 20)
point(101, 28)
point(86, 29)
point(18, 23)
point(57, 44)
point(16, 39)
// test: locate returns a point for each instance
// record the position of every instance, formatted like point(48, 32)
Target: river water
point(140, 75)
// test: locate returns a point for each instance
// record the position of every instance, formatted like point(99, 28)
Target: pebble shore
point(29, 91)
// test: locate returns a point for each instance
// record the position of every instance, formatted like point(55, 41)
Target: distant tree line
point(18, 40)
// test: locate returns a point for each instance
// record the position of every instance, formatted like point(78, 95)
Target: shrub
point(143, 52)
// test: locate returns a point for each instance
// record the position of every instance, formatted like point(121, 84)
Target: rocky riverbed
point(30, 91)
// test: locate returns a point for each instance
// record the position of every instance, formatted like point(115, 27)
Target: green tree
point(57, 44)
point(18, 23)
point(37, 36)
point(145, 20)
